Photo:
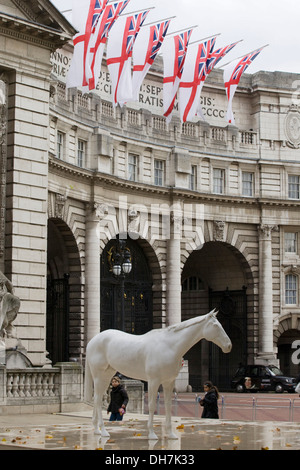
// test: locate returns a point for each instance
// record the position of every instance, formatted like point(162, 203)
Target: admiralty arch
point(206, 212)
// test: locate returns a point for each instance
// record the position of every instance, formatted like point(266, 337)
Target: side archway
point(64, 294)
point(217, 276)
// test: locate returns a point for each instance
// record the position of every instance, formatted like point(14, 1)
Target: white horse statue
point(154, 357)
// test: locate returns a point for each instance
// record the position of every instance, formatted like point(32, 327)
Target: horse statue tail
point(88, 382)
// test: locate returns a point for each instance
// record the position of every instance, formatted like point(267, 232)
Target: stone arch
point(212, 265)
point(154, 265)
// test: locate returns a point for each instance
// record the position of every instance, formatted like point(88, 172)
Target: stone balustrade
point(32, 389)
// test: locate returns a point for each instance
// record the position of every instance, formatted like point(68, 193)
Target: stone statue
point(9, 307)
point(155, 357)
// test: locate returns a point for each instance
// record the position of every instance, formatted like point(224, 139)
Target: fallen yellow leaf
point(181, 426)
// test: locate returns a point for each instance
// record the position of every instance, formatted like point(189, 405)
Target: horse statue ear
point(214, 312)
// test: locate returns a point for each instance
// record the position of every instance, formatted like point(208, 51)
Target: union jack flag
point(181, 45)
point(110, 14)
point(134, 24)
point(98, 9)
point(232, 75)
point(157, 35)
point(119, 54)
point(91, 11)
point(194, 71)
point(213, 59)
point(215, 56)
point(174, 60)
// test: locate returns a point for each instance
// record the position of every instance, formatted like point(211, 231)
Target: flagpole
point(185, 29)
point(158, 21)
point(244, 55)
point(208, 37)
point(138, 11)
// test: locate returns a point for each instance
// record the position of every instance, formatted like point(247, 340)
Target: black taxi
point(262, 378)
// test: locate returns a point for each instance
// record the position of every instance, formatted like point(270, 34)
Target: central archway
point(216, 277)
point(136, 301)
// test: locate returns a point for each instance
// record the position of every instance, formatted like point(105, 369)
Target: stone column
point(174, 271)
point(92, 275)
point(265, 353)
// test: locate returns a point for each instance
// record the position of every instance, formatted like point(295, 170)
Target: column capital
point(265, 231)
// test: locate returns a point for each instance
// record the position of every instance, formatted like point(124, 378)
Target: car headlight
point(289, 381)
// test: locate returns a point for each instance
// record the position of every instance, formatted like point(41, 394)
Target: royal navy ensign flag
point(86, 16)
point(194, 70)
point(174, 59)
point(232, 75)
point(98, 40)
point(146, 48)
point(119, 52)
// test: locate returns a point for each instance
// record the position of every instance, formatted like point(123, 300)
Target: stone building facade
point(209, 211)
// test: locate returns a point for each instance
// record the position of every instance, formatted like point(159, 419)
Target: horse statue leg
point(168, 388)
point(152, 393)
point(101, 383)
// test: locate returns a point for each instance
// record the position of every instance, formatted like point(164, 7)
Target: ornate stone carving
point(60, 202)
point(219, 230)
point(101, 210)
point(266, 230)
point(292, 128)
point(133, 221)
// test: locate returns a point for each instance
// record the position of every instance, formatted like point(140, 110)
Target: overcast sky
point(256, 22)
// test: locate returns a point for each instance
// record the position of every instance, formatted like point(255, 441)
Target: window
point(193, 178)
point(290, 242)
point(290, 289)
point(132, 167)
point(158, 172)
point(247, 184)
point(294, 185)
point(81, 151)
point(218, 181)
point(60, 145)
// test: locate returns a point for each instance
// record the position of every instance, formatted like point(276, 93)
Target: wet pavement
point(74, 431)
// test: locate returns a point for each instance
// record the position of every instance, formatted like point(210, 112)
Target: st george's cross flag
point(174, 59)
point(194, 69)
point(213, 59)
point(119, 53)
point(98, 40)
point(86, 16)
point(146, 48)
point(232, 75)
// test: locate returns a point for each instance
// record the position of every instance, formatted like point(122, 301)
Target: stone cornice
point(35, 33)
point(60, 168)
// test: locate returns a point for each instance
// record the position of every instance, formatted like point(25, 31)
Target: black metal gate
point(232, 306)
point(133, 299)
point(57, 338)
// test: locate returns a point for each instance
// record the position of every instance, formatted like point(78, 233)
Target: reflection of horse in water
point(154, 357)
point(9, 306)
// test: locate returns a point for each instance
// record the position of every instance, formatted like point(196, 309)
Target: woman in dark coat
point(118, 400)
point(210, 401)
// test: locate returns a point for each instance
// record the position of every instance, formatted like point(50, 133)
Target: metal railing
point(248, 408)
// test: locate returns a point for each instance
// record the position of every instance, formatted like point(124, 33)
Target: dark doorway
point(135, 301)
point(232, 306)
point(57, 343)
